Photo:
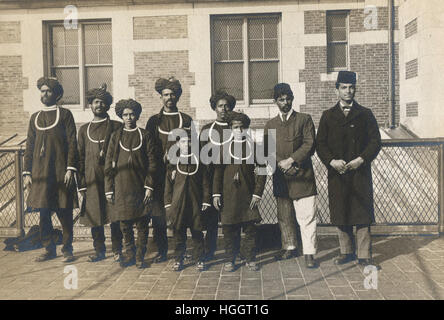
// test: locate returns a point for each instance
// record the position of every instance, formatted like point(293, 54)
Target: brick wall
point(369, 61)
point(10, 32)
point(411, 28)
point(149, 66)
point(12, 117)
point(161, 27)
point(411, 69)
point(315, 20)
point(412, 109)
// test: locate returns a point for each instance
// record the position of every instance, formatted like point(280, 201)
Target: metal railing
point(408, 182)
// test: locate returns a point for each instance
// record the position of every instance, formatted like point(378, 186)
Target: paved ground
point(412, 268)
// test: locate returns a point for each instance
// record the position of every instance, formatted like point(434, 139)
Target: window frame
point(48, 56)
point(346, 42)
point(247, 101)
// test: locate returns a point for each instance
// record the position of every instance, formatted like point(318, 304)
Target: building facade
point(244, 47)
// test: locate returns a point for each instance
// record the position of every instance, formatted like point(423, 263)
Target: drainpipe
point(391, 45)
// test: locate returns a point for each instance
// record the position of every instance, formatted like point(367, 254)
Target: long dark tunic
point(185, 194)
point(49, 153)
point(237, 194)
point(93, 137)
point(158, 126)
point(129, 179)
point(339, 137)
point(295, 138)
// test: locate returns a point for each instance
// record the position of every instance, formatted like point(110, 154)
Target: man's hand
point(286, 164)
point(254, 202)
point(110, 198)
point(217, 202)
point(28, 181)
point(68, 179)
point(205, 207)
point(148, 196)
point(355, 164)
point(339, 166)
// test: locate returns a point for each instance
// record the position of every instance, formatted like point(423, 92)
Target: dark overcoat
point(51, 149)
point(93, 137)
point(157, 125)
point(294, 138)
point(185, 192)
point(348, 137)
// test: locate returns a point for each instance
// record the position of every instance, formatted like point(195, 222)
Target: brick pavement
point(412, 268)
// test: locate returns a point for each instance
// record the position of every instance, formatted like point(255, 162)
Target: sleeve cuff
point(111, 192)
point(26, 173)
point(256, 196)
point(83, 189)
point(167, 206)
point(71, 168)
point(146, 187)
point(217, 195)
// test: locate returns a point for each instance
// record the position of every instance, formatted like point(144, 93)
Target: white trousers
point(302, 211)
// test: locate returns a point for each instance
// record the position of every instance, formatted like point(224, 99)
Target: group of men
point(127, 175)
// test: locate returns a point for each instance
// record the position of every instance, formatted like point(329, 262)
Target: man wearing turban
point(347, 142)
point(130, 167)
point(94, 139)
point(214, 137)
point(50, 162)
point(160, 127)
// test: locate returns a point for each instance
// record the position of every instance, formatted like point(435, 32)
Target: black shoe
point(68, 257)
point(286, 254)
point(48, 255)
point(140, 264)
point(310, 262)
point(368, 262)
point(160, 257)
point(177, 266)
point(344, 258)
point(98, 256)
point(200, 266)
point(127, 260)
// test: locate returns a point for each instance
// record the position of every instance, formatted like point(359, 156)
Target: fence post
point(19, 193)
point(441, 188)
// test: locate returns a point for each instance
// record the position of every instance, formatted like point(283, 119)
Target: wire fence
point(407, 182)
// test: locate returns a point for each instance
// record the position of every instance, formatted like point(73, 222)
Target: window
point(245, 51)
point(337, 40)
point(80, 58)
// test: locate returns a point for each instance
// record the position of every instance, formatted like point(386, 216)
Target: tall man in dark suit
point(294, 184)
point(348, 140)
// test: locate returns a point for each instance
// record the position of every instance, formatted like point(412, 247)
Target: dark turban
point(171, 83)
point(346, 77)
point(100, 93)
point(282, 89)
point(219, 95)
point(52, 84)
point(128, 104)
point(238, 116)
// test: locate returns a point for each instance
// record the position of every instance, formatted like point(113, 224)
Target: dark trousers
point(233, 244)
point(126, 226)
point(160, 234)
point(46, 228)
point(180, 244)
point(363, 240)
point(211, 222)
point(98, 235)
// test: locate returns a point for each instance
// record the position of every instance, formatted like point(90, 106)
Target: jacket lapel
point(355, 111)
